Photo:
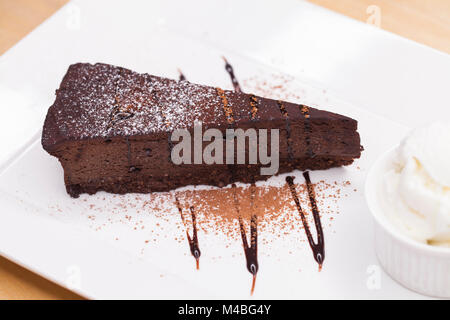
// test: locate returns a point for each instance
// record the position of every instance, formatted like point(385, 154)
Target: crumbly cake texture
point(110, 129)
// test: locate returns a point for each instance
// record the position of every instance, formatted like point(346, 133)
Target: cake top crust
point(104, 101)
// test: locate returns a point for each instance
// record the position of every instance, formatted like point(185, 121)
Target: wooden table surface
point(424, 21)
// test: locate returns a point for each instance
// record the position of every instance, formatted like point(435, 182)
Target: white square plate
point(107, 246)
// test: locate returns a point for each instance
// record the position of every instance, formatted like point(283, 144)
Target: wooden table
point(425, 21)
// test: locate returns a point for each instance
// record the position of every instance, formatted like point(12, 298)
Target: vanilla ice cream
point(417, 188)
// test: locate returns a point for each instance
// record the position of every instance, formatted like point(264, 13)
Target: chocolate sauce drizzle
point(230, 71)
point(193, 242)
point(251, 251)
point(285, 114)
point(181, 77)
point(254, 102)
point(308, 131)
point(319, 247)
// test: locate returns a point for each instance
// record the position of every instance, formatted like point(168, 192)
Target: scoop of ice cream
point(418, 186)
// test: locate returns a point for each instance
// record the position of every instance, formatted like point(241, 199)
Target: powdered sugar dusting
point(105, 101)
point(182, 103)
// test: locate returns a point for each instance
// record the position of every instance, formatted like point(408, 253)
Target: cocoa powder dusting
point(216, 208)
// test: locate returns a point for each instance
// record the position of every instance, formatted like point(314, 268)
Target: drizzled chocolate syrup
point(181, 77)
point(193, 242)
point(319, 247)
point(230, 71)
point(251, 251)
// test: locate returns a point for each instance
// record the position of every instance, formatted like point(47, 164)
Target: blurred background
point(424, 21)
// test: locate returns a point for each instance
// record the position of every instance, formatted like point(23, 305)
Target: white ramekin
point(417, 266)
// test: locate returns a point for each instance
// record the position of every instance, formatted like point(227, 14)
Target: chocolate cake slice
point(110, 128)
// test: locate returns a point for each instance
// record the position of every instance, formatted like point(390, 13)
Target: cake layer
point(110, 128)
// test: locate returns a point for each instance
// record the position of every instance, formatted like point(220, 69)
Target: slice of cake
point(111, 130)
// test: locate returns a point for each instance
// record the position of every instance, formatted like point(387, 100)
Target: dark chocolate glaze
point(230, 71)
point(193, 242)
point(319, 247)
